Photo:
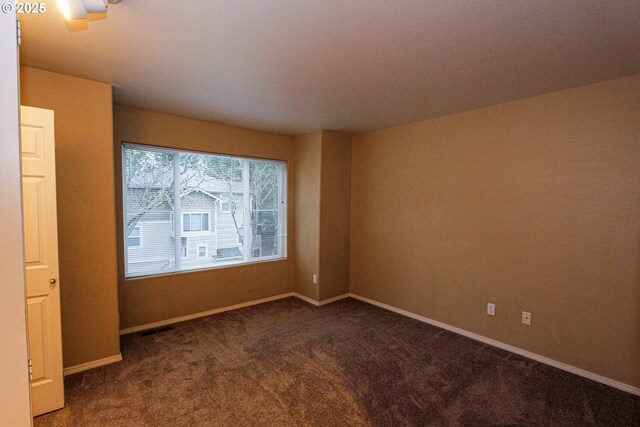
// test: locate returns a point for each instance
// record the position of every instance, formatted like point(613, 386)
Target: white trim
point(221, 210)
point(203, 314)
point(180, 319)
point(282, 210)
point(333, 299)
point(184, 250)
point(222, 264)
point(93, 364)
point(529, 355)
point(306, 299)
point(320, 303)
point(197, 232)
point(206, 251)
point(200, 190)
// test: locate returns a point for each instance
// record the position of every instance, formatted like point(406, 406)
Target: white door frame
point(15, 405)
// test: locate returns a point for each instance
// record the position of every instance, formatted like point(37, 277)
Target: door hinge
point(19, 32)
point(30, 370)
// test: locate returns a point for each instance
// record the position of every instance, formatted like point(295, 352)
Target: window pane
point(205, 183)
point(266, 230)
point(264, 185)
point(134, 237)
point(205, 221)
point(196, 222)
point(186, 222)
point(148, 203)
point(184, 247)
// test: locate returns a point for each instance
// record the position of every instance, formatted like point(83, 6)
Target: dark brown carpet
point(345, 364)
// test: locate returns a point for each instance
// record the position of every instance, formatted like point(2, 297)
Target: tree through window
point(212, 199)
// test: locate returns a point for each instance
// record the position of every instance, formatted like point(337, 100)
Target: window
point(195, 221)
point(202, 251)
point(184, 247)
point(232, 210)
point(133, 239)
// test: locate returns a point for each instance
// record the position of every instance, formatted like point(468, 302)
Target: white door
point(41, 257)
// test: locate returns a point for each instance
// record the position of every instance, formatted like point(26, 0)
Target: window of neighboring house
point(133, 239)
point(184, 247)
point(195, 221)
point(202, 251)
point(189, 188)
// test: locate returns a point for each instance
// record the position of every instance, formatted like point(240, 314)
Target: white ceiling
point(291, 66)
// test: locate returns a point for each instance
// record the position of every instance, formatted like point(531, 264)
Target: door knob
point(52, 280)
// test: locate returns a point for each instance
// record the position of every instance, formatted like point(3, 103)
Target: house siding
point(156, 252)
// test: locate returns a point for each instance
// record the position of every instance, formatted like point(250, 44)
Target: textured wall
point(153, 299)
point(323, 175)
point(86, 210)
point(308, 150)
point(335, 214)
point(533, 205)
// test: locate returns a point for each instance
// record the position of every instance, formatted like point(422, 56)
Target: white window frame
point(243, 206)
point(184, 255)
point(207, 231)
point(222, 210)
point(206, 251)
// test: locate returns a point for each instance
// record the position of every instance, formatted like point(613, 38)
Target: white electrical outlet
point(526, 317)
point(315, 279)
point(491, 309)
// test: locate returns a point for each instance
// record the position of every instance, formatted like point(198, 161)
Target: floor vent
point(156, 331)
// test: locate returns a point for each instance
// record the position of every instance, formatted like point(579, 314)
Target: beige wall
point(153, 299)
point(323, 180)
point(308, 152)
point(86, 210)
point(533, 205)
point(15, 407)
point(335, 214)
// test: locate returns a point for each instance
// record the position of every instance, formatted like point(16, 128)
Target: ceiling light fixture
point(78, 9)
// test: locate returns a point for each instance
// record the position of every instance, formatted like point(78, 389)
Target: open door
point(41, 258)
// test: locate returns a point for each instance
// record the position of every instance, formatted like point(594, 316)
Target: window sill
point(221, 265)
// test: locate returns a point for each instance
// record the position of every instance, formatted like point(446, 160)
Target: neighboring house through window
point(184, 247)
point(195, 221)
point(202, 251)
point(198, 210)
point(133, 239)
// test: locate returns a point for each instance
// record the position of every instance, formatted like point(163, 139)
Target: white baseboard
point(525, 353)
point(305, 299)
point(529, 355)
point(320, 303)
point(333, 299)
point(93, 364)
point(180, 319)
point(202, 314)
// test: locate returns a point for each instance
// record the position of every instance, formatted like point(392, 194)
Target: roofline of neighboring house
point(195, 189)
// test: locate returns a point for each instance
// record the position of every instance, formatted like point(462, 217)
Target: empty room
point(320, 213)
